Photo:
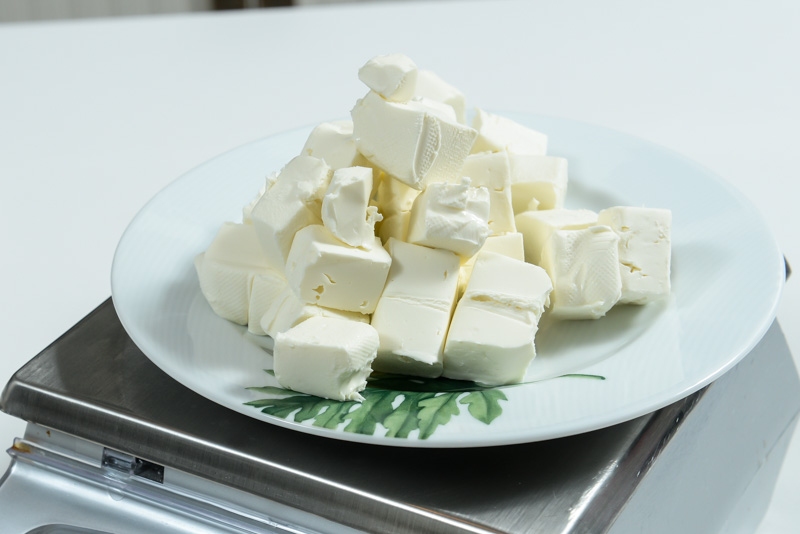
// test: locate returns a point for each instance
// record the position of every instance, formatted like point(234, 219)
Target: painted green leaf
point(484, 405)
point(436, 411)
point(335, 413)
point(314, 409)
point(405, 418)
point(284, 407)
point(581, 375)
point(401, 404)
point(376, 407)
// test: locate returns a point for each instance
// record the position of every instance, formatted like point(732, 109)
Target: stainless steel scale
point(114, 445)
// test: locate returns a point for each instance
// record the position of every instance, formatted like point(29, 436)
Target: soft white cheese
point(414, 310)
point(248, 209)
point(345, 207)
point(274, 307)
point(518, 287)
point(394, 196)
point(266, 295)
point(644, 251)
point(509, 245)
point(430, 85)
point(491, 170)
point(236, 244)
point(584, 267)
point(491, 336)
point(410, 141)
point(288, 311)
point(323, 270)
point(294, 311)
point(451, 217)
point(432, 107)
point(537, 226)
point(497, 133)
point(226, 287)
point(327, 357)
point(293, 202)
point(226, 270)
point(394, 226)
point(394, 200)
point(393, 76)
point(308, 178)
point(277, 217)
point(333, 143)
point(541, 179)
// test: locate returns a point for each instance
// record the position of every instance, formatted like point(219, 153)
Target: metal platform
point(104, 417)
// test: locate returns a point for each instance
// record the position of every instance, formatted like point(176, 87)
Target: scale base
point(105, 452)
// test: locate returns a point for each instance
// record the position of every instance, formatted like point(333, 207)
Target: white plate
point(727, 277)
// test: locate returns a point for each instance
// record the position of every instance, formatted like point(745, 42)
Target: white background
point(97, 116)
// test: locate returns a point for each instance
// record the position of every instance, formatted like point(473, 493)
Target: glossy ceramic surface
point(727, 278)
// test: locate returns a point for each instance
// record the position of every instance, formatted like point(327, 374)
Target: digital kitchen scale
point(114, 445)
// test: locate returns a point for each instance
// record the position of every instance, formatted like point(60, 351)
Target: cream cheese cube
point(226, 270)
point(225, 287)
point(266, 295)
point(247, 210)
point(451, 217)
point(497, 133)
point(518, 287)
point(236, 244)
point(510, 245)
point(430, 85)
point(274, 308)
point(414, 311)
point(487, 347)
point(491, 170)
point(307, 178)
point(323, 270)
point(289, 311)
point(326, 356)
point(541, 179)
point(537, 226)
point(410, 141)
point(293, 202)
point(433, 107)
point(491, 336)
point(277, 296)
point(395, 226)
point(393, 76)
point(345, 209)
point(333, 143)
point(394, 196)
point(394, 200)
point(644, 251)
point(277, 217)
point(294, 311)
point(584, 267)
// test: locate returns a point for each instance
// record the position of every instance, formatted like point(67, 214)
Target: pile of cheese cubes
point(407, 241)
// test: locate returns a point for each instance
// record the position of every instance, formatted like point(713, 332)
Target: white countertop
point(97, 116)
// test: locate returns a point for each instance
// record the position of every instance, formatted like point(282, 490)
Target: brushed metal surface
point(94, 383)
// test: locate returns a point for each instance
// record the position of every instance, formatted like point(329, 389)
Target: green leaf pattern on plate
point(399, 404)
